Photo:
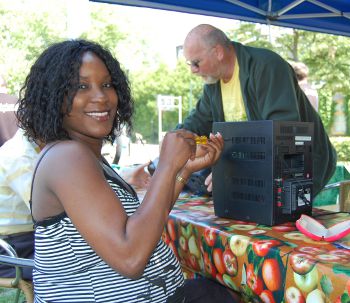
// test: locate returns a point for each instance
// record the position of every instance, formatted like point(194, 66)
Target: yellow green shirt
point(18, 157)
point(232, 99)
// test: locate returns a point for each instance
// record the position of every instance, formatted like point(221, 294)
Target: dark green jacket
point(270, 92)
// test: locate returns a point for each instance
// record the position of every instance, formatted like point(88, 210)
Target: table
point(263, 263)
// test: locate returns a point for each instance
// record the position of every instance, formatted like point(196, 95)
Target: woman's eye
point(107, 85)
point(82, 86)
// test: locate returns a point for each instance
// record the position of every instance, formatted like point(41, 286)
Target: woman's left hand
point(206, 154)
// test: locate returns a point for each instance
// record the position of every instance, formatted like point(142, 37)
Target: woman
point(94, 241)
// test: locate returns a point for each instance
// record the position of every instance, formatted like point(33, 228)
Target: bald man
point(248, 83)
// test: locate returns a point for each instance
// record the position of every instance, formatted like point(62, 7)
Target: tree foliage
point(25, 32)
point(146, 85)
point(28, 27)
point(328, 62)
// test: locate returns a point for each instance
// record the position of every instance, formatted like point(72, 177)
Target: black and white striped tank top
point(67, 269)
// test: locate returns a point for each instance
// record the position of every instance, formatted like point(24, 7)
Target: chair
point(343, 202)
point(17, 282)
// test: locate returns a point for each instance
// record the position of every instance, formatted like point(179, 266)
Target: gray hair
point(217, 36)
point(209, 36)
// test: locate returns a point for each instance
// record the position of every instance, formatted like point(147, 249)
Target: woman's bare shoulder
point(67, 155)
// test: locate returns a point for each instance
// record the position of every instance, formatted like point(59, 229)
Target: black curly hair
point(53, 78)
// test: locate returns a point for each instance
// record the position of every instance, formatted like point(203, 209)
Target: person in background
point(137, 175)
point(8, 122)
point(302, 72)
point(18, 157)
point(94, 240)
point(248, 83)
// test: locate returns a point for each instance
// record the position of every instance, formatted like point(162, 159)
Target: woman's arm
point(70, 177)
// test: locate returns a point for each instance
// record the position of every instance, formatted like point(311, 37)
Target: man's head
point(206, 49)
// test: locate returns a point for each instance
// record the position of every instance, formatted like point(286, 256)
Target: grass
point(8, 295)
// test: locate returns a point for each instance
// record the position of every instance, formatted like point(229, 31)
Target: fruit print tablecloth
point(263, 263)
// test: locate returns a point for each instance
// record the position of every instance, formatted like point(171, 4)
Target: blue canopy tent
point(327, 16)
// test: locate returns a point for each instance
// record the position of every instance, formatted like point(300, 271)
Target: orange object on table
point(270, 264)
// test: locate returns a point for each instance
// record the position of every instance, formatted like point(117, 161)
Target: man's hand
point(137, 176)
point(209, 182)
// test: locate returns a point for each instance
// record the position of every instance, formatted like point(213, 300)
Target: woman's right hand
point(177, 148)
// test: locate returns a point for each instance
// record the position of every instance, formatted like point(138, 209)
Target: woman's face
point(95, 103)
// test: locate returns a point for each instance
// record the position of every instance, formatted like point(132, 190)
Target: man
point(247, 83)
point(8, 125)
point(18, 157)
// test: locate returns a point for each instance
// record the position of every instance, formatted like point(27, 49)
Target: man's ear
point(219, 52)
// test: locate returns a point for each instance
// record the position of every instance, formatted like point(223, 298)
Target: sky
point(166, 28)
point(163, 30)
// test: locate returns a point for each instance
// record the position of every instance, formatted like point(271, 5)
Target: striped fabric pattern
point(68, 270)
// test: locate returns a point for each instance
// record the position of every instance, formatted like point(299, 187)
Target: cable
point(301, 195)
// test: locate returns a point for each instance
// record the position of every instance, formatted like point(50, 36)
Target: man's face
point(203, 61)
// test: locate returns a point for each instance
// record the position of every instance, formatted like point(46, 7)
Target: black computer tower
point(264, 174)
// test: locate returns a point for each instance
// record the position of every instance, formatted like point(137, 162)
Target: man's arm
point(200, 119)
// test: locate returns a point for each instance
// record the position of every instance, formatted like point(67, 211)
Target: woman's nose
point(98, 95)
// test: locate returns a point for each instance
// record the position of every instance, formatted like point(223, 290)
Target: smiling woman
point(75, 97)
point(95, 102)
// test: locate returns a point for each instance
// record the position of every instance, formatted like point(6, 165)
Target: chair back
point(11, 259)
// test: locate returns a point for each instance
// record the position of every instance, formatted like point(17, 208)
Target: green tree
point(29, 27)
point(324, 54)
point(329, 66)
point(25, 32)
point(250, 34)
point(163, 81)
point(107, 34)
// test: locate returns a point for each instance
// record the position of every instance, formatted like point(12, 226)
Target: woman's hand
point(177, 148)
point(207, 154)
